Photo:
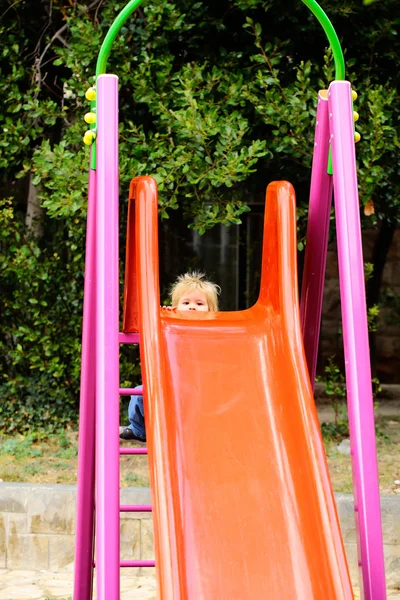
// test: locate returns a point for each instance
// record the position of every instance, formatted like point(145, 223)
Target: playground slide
point(243, 505)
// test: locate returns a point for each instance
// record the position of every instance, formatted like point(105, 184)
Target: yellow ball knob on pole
point(357, 137)
point(89, 137)
point(91, 94)
point(354, 95)
point(356, 116)
point(90, 118)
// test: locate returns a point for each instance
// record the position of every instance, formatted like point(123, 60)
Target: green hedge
point(217, 98)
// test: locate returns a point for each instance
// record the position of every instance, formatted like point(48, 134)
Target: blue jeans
point(136, 415)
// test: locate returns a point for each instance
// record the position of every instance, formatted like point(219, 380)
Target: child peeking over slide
point(191, 291)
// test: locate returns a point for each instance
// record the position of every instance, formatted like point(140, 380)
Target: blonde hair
point(189, 282)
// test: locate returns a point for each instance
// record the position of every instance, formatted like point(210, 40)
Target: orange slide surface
point(243, 504)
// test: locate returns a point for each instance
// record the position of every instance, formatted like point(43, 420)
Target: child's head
point(193, 292)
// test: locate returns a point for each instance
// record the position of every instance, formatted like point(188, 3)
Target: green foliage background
point(217, 99)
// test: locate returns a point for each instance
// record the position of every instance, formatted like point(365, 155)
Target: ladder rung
point(128, 338)
point(133, 451)
point(135, 508)
point(134, 563)
point(137, 563)
point(130, 392)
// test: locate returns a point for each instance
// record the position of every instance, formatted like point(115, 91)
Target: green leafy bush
point(216, 100)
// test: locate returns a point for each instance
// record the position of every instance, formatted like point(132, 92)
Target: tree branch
point(57, 36)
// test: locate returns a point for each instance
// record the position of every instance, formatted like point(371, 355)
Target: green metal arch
point(311, 4)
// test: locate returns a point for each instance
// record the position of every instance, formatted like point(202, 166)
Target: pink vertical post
point(312, 288)
point(356, 347)
point(83, 574)
point(107, 346)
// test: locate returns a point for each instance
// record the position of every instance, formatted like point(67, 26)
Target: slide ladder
point(99, 447)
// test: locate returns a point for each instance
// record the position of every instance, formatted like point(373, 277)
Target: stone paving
point(44, 585)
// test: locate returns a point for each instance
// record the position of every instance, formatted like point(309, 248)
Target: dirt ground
point(48, 461)
point(388, 461)
point(387, 421)
point(54, 460)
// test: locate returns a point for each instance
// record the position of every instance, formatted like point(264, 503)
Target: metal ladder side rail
point(107, 516)
point(355, 341)
point(85, 502)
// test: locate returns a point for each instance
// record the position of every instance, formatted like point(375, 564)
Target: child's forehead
point(194, 294)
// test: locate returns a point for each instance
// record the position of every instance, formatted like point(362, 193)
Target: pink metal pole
point(83, 574)
point(312, 288)
point(107, 344)
point(356, 347)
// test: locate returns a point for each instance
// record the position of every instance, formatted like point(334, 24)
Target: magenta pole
point(107, 343)
point(356, 347)
point(83, 573)
point(312, 288)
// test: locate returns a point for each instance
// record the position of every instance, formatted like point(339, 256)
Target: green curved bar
point(331, 35)
point(311, 4)
point(112, 34)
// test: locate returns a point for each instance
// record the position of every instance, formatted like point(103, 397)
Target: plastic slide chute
point(242, 497)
